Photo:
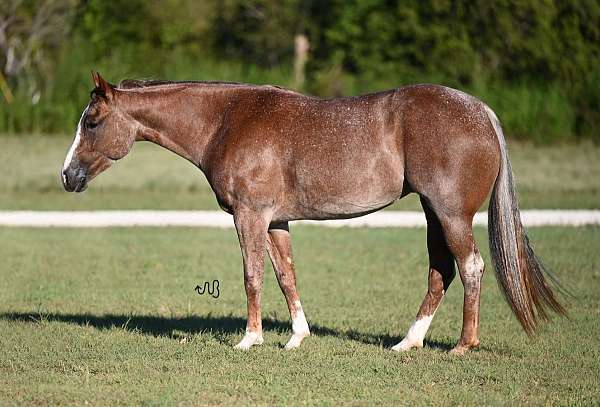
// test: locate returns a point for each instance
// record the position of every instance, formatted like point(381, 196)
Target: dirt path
point(223, 220)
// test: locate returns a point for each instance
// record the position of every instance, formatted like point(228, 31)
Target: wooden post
point(301, 47)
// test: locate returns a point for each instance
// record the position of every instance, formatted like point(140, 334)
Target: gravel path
point(222, 220)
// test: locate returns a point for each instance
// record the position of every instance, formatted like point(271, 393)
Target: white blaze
point(75, 143)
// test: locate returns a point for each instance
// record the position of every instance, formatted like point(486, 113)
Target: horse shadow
point(220, 327)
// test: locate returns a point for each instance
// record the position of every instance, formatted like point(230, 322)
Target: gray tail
point(520, 274)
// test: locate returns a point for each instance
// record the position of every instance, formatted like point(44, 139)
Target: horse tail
point(520, 274)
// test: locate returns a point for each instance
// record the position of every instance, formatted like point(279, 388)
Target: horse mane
point(146, 83)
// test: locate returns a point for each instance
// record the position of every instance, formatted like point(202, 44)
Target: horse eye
point(92, 125)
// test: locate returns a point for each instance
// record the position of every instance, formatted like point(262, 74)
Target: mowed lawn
point(152, 178)
point(110, 316)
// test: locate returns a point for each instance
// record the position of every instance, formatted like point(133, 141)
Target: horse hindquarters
point(452, 162)
point(454, 193)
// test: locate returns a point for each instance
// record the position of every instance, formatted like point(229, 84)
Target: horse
point(272, 155)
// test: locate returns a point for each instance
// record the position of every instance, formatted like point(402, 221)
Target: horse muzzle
point(74, 177)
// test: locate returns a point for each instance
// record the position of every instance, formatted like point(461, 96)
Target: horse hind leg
point(458, 231)
point(441, 274)
point(280, 252)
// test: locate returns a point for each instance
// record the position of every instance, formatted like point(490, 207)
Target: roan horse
point(272, 155)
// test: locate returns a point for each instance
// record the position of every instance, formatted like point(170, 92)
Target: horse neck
point(180, 118)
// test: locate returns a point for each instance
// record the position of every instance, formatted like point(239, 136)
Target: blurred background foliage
point(534, 61)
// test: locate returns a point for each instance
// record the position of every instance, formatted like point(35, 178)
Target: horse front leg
point(279, 248)
point(252, 228)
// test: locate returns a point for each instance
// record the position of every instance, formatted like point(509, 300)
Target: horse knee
point(253, 283)
point(286, 280)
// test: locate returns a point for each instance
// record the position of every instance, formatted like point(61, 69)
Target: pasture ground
point(556, 177)
point(110, 316)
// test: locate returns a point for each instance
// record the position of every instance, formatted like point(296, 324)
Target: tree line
point(534, 61)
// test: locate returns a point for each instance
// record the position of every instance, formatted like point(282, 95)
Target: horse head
point(105, 133)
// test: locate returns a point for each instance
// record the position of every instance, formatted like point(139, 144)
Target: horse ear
point(103, 88)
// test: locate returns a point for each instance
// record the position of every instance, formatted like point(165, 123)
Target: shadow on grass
point(218, 326)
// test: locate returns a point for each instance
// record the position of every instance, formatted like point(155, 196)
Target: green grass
point(149, 177)
point(110, 316)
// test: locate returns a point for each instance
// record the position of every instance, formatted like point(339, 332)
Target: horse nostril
point(74, 177)
point(67, 180)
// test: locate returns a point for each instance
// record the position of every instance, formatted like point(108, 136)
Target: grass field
point(152, 178)
point(110, 316)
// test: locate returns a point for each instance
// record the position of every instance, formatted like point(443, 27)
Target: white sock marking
point(299, 324)
point(415, 334)
point(299, 327)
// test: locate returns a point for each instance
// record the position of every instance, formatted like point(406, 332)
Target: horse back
point(312, 158)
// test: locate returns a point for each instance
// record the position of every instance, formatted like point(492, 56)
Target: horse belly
point(349, 188)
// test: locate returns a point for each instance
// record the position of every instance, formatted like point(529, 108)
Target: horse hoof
point(405, 346)
point(296, 340)
point(249, 340)
point(460, 350)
